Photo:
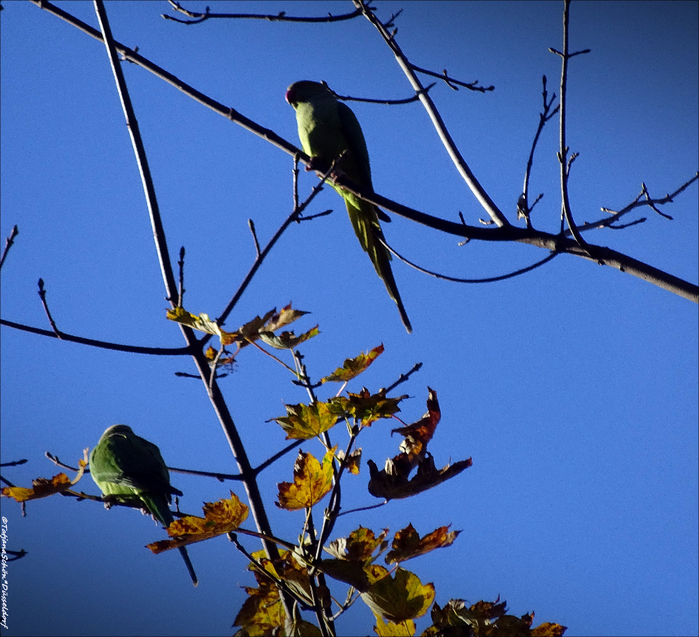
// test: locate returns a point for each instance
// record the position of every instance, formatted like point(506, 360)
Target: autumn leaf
point(220, 517)
point(44, 487)
point(366, 407)
point(307, 421)
point(287, 340)
point(287, 569)
point(547, 629)
point(389, 629)
point(311, 482)
point(245, 334)
point(391, 483)
point(286, 315)
point(352, 367)
point(354, 555)
point(420, 433)
point(408, 544)
point(201, 323)
point(359, 545)
point(352, 462)
point(262, 612)
point(399, 598)
point(487, 619)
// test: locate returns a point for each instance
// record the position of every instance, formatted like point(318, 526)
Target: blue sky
point(573, 388)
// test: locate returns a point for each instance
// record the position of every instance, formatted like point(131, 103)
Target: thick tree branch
point(207, 375)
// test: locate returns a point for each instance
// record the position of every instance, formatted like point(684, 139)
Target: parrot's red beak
point(290, 97)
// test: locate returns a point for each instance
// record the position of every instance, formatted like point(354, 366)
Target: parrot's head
point(306, 91)
point(117, 429)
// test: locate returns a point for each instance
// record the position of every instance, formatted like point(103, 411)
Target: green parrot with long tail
point(327, 128)
point(124, 464)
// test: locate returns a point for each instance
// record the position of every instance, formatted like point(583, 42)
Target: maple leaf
point(262, 612)
point(352, 367)
point(287, 340)
point(201, 323)
point(389, 629)
point(307, 421)
point(399, 598)
point(420, 432)
point(220, 517)
point(44, 487)
point(393, 483)
point(408, 544)
point(366, 407)
point(311, 483)
point(354, 555)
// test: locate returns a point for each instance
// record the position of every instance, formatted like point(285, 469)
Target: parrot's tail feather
point(188, 563)
point(368, 230)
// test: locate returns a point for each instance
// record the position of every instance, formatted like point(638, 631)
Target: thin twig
point(370, 100)
point(451, 82)
point(251, 225)
point(221, 477)
point(523, 207)
point(180, 288)
point(42, 296)
point(8, 243)
point(491, 279)
point(119, 347)
point(563, 151)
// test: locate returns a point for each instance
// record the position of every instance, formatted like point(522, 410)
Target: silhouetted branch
point(563, 152)
point(8, 243)
point(198, 18)
point(451, 82)
point(523, 207)
point(42, 296)
point(446, 277)
point(135, 349)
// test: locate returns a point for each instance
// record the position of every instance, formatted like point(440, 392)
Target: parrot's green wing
point(327, 129)
point(124, 464)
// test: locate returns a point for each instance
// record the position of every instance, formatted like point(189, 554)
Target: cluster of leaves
point(395, 595)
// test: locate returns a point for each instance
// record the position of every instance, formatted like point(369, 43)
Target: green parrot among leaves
point(327, 128)
point(124, 464)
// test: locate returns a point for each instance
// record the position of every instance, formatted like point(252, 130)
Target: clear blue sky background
point(573, 388)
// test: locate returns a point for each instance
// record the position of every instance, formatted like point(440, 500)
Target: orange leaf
point(43, 487)
point(408, 544)
point(311, 482)
point(221, 517)
point(420, 433)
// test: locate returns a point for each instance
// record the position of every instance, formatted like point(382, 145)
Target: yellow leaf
point(262, 611)
point(352, 367)
point(311, 482)
point(389, 629)
point(220, 517)
point(307, 421)
point(399, 598)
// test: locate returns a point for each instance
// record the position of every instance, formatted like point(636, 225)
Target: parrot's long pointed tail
point(188, 563)
point(384, 270)
point(366, 225)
